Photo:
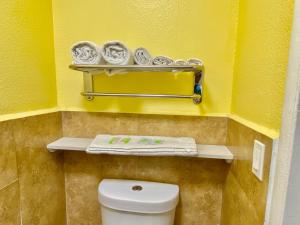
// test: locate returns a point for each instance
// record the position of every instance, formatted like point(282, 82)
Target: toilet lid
point(138, 196)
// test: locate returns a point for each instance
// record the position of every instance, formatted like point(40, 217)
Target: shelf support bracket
point(88, 84)
point(197, 87)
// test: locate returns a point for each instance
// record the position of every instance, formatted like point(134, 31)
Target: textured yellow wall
point(181, 29)
point(245, 67)
point(261, 63)
point(27, 79)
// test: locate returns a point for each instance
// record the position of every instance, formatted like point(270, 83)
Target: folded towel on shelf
point(162, 61)
point(142, 57)
point(142, 145)
point(86, 52)
point(194, 61)
point(116, 53)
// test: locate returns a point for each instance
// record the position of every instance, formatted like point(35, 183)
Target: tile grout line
point(18, 172)
point(9, 184)
point(65, 190)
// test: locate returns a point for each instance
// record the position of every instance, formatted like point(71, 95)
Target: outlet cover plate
point(258, 159)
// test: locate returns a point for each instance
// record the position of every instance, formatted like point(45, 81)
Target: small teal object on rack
point(197, 89)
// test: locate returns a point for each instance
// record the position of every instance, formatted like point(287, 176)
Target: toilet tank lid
point(138, 196)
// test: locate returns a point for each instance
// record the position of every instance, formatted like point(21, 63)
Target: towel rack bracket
point(88, 83)
point(197, 99)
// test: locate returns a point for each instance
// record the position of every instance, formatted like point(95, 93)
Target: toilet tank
point(130, 202)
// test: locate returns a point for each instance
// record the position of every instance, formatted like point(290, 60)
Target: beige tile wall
point(244, 197)
point(31, 179)
point(200, 180)
point(9, 185)
point(206, 130)
point(10, 204)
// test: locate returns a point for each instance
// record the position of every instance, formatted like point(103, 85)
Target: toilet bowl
point(129, 202)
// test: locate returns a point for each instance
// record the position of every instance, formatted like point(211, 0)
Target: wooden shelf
point(81, 144)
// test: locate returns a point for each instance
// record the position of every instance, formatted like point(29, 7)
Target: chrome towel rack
point(89, 71)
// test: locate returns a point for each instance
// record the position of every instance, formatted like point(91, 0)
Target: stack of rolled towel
point(116, 53)
point(142, 145)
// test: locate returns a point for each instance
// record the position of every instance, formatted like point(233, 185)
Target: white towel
point(116, 53)
point(142, 57)
point(162, 61)
point(194, 61)
point(86, 52)
point(142, 145)
point(180, 62)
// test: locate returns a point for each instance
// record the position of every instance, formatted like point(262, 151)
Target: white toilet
point(129, 202)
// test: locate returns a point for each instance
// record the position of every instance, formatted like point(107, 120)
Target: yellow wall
point(261, 63)
point(27, 79)
point(245, 64)
point(181, 29)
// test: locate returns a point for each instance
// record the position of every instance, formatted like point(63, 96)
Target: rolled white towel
point(162, 61)
point(180, 62)
point(142, 57)
point(86, 52)
point(194, 61)
point(116, 53)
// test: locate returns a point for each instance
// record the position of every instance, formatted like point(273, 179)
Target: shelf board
point(136, 68)
point(81, 144)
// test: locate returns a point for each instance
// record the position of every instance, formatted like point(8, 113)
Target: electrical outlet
point(258, 159)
